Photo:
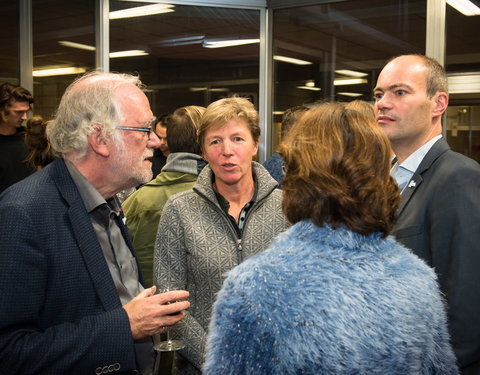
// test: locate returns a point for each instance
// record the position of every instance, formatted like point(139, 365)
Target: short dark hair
point(338, 171)
point(182, 128)
point(290, 116)
point(10, 93)
point(436, 77)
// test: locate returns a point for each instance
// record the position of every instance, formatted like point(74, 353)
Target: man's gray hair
point(91, 99)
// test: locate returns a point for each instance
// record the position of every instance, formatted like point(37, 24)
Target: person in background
point(232, 212)
point(334, 294)
point(72, 296)
point(40, 151)
point(144, 207)
point(439, 218)
point(274, 164)
point(161, 153)
point(15, 103)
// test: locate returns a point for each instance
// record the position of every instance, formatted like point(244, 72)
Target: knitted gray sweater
point(197, 243)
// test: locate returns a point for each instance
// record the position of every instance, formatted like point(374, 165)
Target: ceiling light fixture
point(76, 45)
point(146, 10)
point(309, 88)
point(351, 94)
point(465, 7)
point(291, 60)
point(128, 53)
point(58, 71)
point(228, 43)
point(349, 81)
point(351, 73)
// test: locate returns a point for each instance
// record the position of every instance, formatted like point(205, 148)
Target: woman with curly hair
point(334, 294)
point(40, 151)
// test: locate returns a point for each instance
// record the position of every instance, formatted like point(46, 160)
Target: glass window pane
point(9, 47)
point(345, 43)
point(63, 37)
point(178, 68)
point(463, 65)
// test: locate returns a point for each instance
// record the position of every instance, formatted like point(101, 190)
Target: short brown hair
point(338, 171)
point(182, 128)
point(436, 76)
point(222, 111)
point(290, 116)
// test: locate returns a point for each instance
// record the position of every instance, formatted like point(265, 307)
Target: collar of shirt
point(90, 196)
point(404, 172)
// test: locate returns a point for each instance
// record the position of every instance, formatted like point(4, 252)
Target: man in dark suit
point(72, 300)
point(439, 218)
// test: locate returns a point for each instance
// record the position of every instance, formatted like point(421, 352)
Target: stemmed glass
point(169, 345)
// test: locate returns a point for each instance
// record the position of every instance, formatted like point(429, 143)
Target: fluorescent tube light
point(351, 94)
point(464, 83)
point(349, 81)
point(465, 7)
point(128, 53)
point(291, 60)
point(58, 71)
point(215, 89)
point(146, 10)
point(309, 88)
point(351, 73)
point(228, 43)
point(76, 45)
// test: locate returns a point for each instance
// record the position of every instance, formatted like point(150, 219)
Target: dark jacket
point(60, 312)
point(440, 221)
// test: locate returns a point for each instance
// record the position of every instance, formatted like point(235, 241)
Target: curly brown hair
point(41, 153)
point(337, 171)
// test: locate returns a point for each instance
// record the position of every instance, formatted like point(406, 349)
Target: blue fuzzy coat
point(324, 301)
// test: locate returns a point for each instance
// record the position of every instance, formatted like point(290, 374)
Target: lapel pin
point(412, 184)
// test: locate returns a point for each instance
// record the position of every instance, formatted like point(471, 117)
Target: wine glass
point(168, 345)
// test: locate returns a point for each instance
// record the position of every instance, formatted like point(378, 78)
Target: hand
point(149, 313)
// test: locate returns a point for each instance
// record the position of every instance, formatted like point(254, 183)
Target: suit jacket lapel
point(408, 191)
point(86, 238)
point(433, 154)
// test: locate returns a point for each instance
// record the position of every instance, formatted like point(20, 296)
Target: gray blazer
point(439, 219)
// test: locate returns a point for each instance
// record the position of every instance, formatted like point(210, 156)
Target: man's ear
point(440, 101)
point(97, 142)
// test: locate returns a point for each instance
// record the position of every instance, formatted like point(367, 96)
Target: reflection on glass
point(9, 49)
point(463, 66)
point(63, 47)
point(347, 43)
point(179, 68)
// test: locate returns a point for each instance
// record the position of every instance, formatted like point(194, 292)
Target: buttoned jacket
point(60, 312)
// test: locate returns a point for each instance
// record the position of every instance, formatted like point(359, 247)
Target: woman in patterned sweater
point(232, 212)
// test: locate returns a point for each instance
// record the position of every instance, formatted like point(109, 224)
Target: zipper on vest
point(239, 247)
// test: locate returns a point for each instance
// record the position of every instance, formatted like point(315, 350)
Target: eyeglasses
point(135, 129)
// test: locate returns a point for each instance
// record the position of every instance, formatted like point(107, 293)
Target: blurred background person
point(334, 294)
point(274, 163)
point(40, 150)
point(15, 103)
point(144, 207)
point(161, 153)
point(232, 212)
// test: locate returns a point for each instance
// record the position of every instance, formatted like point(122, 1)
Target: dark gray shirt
point(121, 263)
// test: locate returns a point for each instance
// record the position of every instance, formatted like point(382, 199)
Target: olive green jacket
point(144, 207)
